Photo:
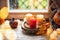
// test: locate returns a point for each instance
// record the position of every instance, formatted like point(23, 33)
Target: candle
point(28, 16)
point(40, 19)
point(32, 22)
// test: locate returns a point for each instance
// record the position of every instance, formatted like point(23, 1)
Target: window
point(28, 5)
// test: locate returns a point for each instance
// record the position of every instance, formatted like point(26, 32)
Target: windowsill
point(21, 11)
point(43, 11)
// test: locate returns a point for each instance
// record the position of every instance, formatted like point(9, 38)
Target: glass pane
point(28, 4)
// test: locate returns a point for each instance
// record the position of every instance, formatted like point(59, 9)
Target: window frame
point(21, 11)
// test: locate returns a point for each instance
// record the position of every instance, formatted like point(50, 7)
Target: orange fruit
point(2, 21)
point(4, 13)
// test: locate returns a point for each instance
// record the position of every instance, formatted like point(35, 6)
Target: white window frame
point(43, 11)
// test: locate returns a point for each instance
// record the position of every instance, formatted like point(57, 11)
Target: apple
point(13, 23)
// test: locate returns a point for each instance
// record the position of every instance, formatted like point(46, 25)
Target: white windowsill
point(28, 10)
